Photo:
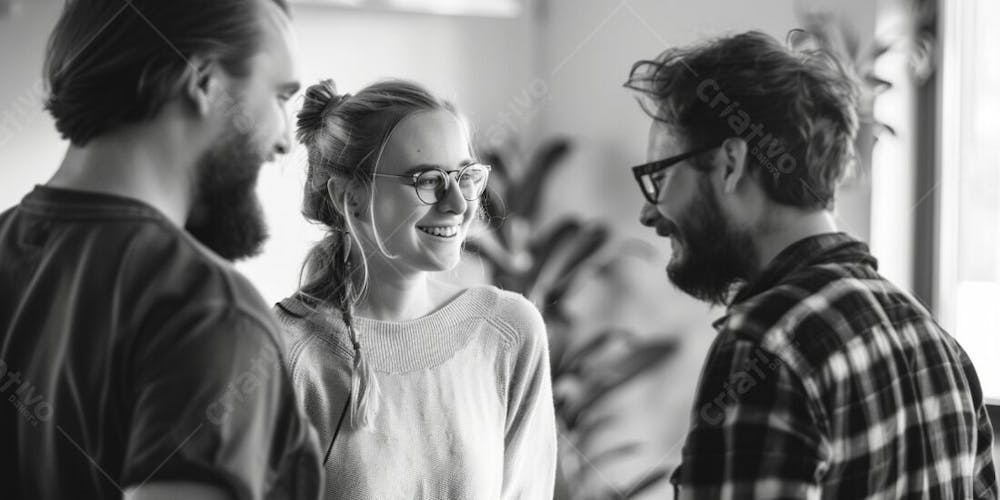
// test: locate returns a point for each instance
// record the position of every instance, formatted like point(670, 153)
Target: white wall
point(30, 148)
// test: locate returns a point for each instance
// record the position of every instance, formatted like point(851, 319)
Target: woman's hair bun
point(320, 99)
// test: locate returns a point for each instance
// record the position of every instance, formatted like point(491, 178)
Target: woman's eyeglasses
point(644, 173)
point(432, 184)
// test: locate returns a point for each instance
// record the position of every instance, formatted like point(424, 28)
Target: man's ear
point(735, 164)
point(203, 85)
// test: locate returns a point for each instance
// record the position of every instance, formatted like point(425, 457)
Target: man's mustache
point(667, 228)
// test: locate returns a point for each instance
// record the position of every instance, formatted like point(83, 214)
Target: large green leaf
point(588, 430)
point(645, 482)
point(577, 358)
point(585, 249)
point(561, 331)
point(546, 266)
point(500, 172)
point(546, 247)
point(601, 382)
point(622, 450)
point(531, 188)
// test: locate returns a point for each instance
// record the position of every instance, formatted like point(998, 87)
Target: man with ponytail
point(138, 362)
point(419, 389)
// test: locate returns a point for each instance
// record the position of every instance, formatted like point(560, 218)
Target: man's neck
point(785, 227)
point(125, 166)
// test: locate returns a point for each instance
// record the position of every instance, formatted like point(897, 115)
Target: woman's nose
point(452, 200)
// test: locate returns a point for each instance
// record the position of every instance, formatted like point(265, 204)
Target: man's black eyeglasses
point(644, 173)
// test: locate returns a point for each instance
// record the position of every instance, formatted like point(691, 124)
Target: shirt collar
point(824, 248)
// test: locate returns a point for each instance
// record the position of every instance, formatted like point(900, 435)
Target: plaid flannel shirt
point(826, 381)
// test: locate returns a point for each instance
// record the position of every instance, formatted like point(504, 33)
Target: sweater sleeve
point(530, 434)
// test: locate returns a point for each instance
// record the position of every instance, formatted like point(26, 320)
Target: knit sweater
point(466, 399)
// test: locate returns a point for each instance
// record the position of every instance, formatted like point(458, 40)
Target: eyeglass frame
point(412, 178)
point(648, 169)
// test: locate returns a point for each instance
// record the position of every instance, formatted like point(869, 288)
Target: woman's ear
point(344, 197)
point(335, 190)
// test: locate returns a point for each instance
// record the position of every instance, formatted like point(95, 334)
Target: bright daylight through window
point(969, 286)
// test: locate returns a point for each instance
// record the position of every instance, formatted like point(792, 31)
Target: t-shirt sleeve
point(530, 440)
point(753, 435)
point(213, 402)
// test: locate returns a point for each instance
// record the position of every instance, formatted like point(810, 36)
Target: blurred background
point(541, 82)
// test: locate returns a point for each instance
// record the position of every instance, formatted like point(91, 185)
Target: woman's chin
point(441, 260)
point(449, 264)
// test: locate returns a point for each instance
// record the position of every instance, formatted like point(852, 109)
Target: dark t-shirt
point(130, 353)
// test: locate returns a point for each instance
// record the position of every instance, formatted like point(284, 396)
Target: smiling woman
point(421, 389)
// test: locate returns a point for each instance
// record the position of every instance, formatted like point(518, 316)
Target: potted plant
point(547, 265)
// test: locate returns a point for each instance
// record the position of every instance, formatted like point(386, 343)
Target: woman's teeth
point(441, 231)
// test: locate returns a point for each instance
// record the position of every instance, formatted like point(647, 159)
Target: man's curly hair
point(795, 109)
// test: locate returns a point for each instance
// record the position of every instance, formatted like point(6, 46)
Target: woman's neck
point(394, 295)
point(395, 299)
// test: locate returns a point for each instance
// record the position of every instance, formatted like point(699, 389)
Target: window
point(969, 238)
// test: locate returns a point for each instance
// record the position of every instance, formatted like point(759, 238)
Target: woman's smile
point(442, 232)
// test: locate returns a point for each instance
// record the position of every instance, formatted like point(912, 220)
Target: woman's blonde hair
point(345, 136)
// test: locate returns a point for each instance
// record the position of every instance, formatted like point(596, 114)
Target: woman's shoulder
point(518, 318)
point(514, 305)
point(303, 325)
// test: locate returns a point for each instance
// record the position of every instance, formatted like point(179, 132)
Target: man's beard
point(226, 215)
point(715, 257)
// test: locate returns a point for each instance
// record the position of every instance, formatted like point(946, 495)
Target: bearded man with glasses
point(825, 380)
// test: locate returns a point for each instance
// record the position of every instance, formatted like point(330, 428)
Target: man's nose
point(284, 142)
point(648, 215)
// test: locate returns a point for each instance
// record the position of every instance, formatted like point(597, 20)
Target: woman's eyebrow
point(428, 166)
point(423, 166)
